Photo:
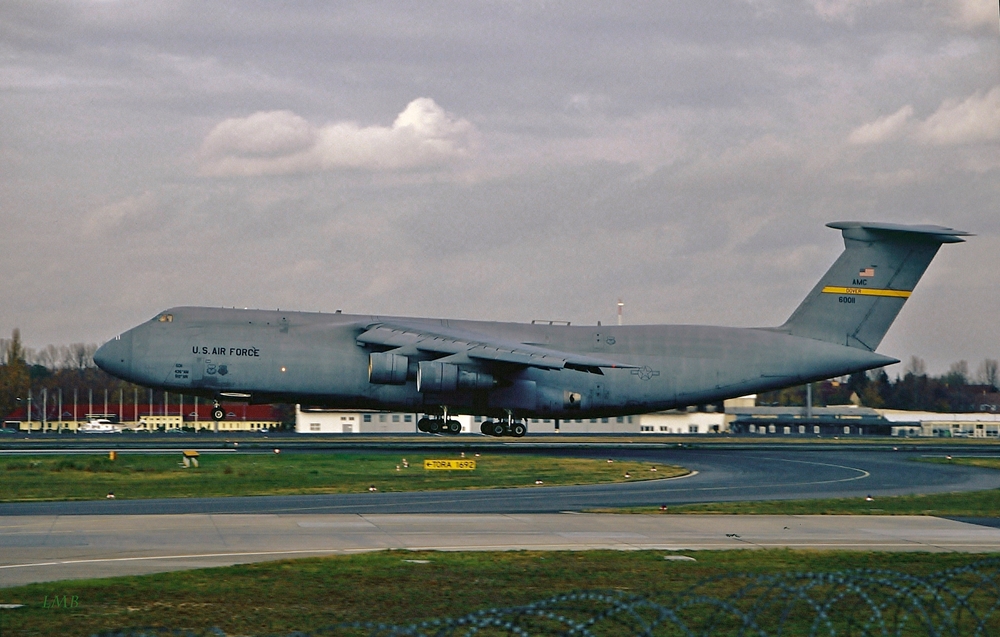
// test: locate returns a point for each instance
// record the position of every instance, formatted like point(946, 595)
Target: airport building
point(852, 420)
point(740, 417)
point(930, 424)
point(309, 420)
point(841, 420)
point(312, 420)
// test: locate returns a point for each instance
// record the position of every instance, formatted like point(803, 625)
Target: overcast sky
point(492, 160)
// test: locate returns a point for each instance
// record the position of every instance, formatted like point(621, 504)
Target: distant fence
point(957, 602)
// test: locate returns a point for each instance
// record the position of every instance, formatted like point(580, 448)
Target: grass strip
point(401, 587)
point(76, 477)
point(972, 504)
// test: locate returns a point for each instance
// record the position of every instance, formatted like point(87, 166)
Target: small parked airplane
point(513, 371)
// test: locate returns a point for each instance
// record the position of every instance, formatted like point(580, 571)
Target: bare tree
point(14, 350)
point(13, 374)
point(90, 349)
point(66, 358)
point(82, 355)
point(47, 357)
point(916, 366)
point(988, 373)
point(958, 374)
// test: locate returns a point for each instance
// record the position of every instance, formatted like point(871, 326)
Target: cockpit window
point(165, 318)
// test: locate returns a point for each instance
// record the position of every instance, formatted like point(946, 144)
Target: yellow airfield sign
point(450, 465)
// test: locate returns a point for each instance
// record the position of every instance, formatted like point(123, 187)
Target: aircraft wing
point(478, 346)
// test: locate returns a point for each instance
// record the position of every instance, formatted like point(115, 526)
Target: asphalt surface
point(51, 548)
point(719, 475)
point(53, 541)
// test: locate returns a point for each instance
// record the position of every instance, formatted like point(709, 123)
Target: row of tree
point(67, 374)
point(69, 368)
point(76, 356)
point(956, 391)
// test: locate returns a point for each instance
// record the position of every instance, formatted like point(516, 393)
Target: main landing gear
point(509, 427)
point(218, 413)
point(439, 425)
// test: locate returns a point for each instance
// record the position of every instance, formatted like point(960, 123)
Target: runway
point(721, 475)
point(49, 548)
point(47, 541)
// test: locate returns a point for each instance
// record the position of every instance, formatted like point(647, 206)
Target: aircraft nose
point(115, 356)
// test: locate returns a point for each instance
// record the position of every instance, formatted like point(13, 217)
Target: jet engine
point(441, 378)
point(385, 368)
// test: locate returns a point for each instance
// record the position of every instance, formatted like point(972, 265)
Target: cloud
point(129, 214)
point(977, 119)
point(270, 134)
point(281, 142)
point(838, 10)
point(975, 14)
point(882, 129)
point(973, 120)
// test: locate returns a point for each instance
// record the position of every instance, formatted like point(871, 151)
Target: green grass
point(989, 463)
point(973, 504)
point(278, 597)
point(160, 476)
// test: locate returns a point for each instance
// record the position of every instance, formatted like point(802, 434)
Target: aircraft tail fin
point(860, 295)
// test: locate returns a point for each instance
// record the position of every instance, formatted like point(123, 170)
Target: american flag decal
point(867, 272)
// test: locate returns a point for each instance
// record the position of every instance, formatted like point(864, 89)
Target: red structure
point(132, 413)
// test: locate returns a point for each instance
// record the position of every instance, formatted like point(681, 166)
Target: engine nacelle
point(442, 378)
point(436, 378)
point(385, 368)
point(474, 380)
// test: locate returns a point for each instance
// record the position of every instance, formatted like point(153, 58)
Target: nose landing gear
point(218, 413)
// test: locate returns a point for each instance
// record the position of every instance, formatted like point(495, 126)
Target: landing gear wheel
point(485, 427)
point(422, 425)
point(218, 413)
point(496, 429)
point(434, 426)
point(454, 427)
point(518, 430)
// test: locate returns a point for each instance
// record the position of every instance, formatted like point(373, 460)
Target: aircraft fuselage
point(316, 359)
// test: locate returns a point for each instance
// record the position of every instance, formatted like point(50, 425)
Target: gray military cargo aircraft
point(513, 371)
